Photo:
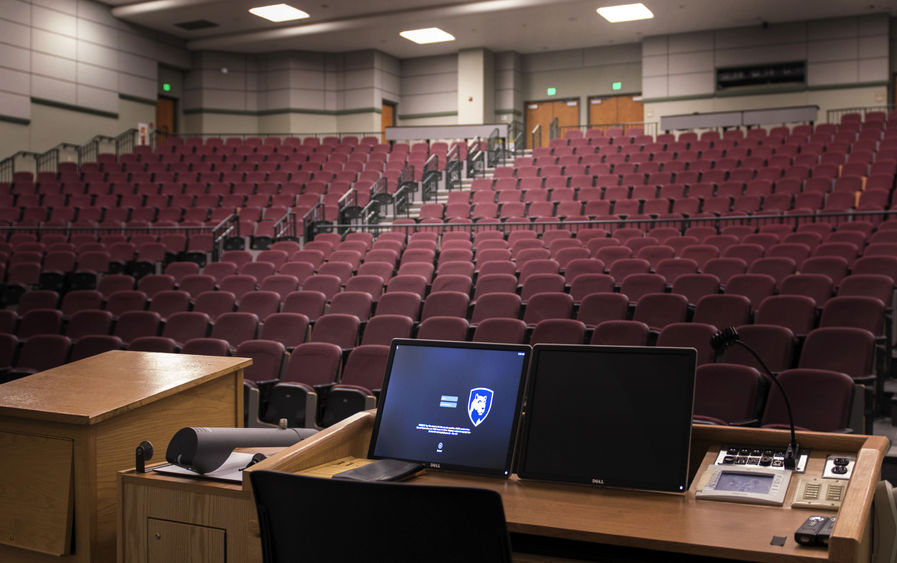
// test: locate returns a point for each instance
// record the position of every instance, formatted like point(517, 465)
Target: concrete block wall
point(72, 55)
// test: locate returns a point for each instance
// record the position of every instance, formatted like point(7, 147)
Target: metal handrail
point(536, 136)
point(648, 127)
point(680, 222)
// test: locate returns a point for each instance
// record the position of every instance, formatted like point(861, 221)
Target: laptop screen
point(451, 405)
point(616, 416)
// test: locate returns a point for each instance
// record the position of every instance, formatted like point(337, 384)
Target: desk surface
point(127, 380)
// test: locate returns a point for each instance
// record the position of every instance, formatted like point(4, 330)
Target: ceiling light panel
point(427, 35)
point(625, 13)
point(278, 13)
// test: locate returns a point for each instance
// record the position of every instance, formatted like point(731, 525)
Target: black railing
point(476, 159)
point(494, 149)
point(125, 142)
point(380, 195)
point(536, 137)
point(89, 151)
point(404, 192)
point(647, 127)
point(453, 168)
point(517, 137)
point(314, 221)
point(429, 183)
point(554, 129)
point(680, 223)
point(350, 210)
point(10, 165)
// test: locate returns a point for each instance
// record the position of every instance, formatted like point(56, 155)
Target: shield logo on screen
point(479, 404)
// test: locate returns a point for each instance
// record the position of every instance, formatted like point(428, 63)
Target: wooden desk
point(66, 432)
point(675, 523)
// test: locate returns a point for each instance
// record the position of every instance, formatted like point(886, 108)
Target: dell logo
point(434, 465)
point(597, 481)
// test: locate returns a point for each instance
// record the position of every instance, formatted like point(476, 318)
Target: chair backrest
point(797, 312)
point(845, 349)
point(235, 327)
point(728, 392)
point(691, 335)
point(383, 328)
point(267, 359)
point(558, 331)
point(820, 400)
point(399, 303)
point(723, 311)
point(290, 329)
point(314, 363)
point(397, 534)
point(620, 333)
point(500, 330)
point(443, 328)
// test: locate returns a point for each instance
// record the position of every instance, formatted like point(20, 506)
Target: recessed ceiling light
point(625, 13)
point(427, 35)
point(278, 13)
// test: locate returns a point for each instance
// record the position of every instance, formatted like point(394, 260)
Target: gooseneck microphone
point(728, 336)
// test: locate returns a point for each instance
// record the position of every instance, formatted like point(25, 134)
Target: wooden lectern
point(66, 432)
point(200, 514)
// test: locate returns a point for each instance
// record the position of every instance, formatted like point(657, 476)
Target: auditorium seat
point(293, 397)
point(362, 375)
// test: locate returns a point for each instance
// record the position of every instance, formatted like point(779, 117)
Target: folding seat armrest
point(345, 400)
point(251, 408)
point(296, 402)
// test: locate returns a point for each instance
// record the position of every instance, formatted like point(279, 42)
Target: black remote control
point(808, 533)
point(826, 531)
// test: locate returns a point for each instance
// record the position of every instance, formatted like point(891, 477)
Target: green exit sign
point(616, 86)
point(166, 87)
point(552, 91)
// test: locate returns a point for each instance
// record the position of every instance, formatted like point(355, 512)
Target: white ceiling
point(524, 26)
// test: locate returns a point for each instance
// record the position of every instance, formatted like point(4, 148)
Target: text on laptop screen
point(614, 416)
point(451, 405)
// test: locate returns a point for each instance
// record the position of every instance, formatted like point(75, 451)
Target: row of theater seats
point(425, 243)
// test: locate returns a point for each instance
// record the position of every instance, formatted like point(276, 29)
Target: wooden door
point(542, 113)
point(387, 118)
point(165, 119)
point(612, 110)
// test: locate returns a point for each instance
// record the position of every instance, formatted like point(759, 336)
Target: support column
point(476, 87)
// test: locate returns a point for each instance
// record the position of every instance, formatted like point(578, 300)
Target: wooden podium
point(66, 432)
point(542, 513)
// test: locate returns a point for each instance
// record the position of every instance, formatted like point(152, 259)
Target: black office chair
point(313, 519)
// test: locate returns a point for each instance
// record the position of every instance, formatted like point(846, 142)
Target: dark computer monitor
point(451, 405)
point(617, 416)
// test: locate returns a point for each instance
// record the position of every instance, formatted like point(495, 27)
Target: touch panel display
point(609, 415)
point(451, 405)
